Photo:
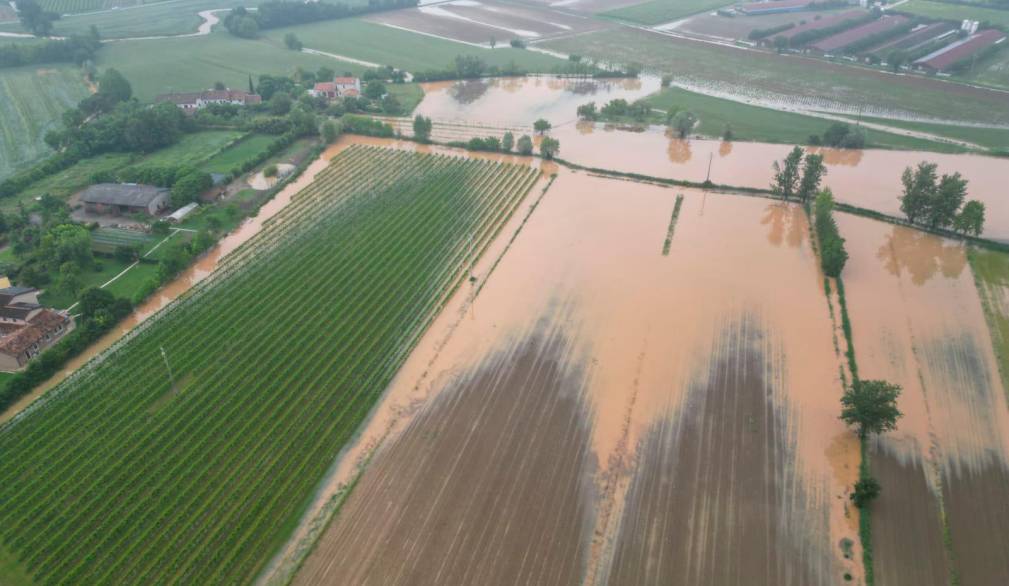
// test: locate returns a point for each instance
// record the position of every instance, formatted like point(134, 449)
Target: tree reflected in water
point(921, 254)
point(786, 224)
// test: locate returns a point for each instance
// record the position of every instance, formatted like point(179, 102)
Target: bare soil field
point(589, 377)
point(480, 21)
point(918, 321)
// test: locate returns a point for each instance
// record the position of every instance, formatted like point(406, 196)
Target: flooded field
point(603, 413)
point(866, 178)
point(480, 21)
point(918, 321)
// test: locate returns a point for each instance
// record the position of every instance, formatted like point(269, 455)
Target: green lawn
point(194, 64)
point(235, 155)
point(788, 79)
point(408, 94)
point(128, 284)
point(192, 149)
point(105, 269)
point(766, 125)
point(662, 11)
point(32, 100)
point(991, 274)
point(956, 12)
point(405, 50)
point(991, 138)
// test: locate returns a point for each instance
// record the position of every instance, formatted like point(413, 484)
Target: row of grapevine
point(185, 454)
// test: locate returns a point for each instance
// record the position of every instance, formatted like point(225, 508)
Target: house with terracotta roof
point(193, 101)
point(340, 87)
point(27, 328)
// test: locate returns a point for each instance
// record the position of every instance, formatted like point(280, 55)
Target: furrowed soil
point(597, 403)
point(918, 322)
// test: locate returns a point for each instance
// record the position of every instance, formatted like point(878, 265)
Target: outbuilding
point(125, 199)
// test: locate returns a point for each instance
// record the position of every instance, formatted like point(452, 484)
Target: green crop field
point(195, 63)
point(107, 240)
point(661, 11)
point(767, 125)
point(31, 103)
point(74, 6)
point(791, 79)
point(992, 138)
point(375, 43)
point(956, 12)
point(128, 474)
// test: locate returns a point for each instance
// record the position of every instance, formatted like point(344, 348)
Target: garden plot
point(604, 413)
point(917, 320)
point(480, 21)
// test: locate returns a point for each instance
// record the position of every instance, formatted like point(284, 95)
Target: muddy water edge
point(200, 270)
point(587, 329)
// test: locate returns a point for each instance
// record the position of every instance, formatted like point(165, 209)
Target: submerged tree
point(549, 147)
point(525, 145)
point(970, 220)
point(683, 122)
point(813, 171)
point(541, 126)
point(935, 201)
point(871, 406)
point(422, 128)
point(786, 174)
point(507, 142)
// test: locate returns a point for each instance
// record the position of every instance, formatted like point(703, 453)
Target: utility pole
point(711, 157)
point(168, 367)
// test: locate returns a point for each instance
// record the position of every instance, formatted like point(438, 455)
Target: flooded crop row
point(602, 413)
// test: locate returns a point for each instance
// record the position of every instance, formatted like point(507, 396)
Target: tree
point(280, 103)
point(871, 406)
point(35, 19)
point(422, 128)
point(970, 220)
point(507, 142)
point(70, 278)
point(329, 132)
point(866, 491)
point(588, 111)
point(541, 126)
point(667, 80)
point(94, 299)
point(189, 187)
point(813, 171)
point(683, 122)
point(786, 175)
point(292, 42)
point(949, 196)
point(374, 90)
point(252, 88)
point(549, 147)
point(325, 74)
point(525, 145)
point(919, 190)
point(896, 59)
point(65, 243)
point(493, 42)
point(727, 134)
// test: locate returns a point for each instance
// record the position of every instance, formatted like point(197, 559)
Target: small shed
point(124, 199)
point(179, 214)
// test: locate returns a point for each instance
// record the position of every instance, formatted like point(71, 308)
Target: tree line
point(77, 49)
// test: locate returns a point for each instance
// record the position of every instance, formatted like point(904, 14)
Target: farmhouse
point(191, 102)
point(27, 328)
point(124, 198)
point(340, 87)
point(773, 7)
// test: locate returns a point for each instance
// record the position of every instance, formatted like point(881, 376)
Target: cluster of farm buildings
point(190, 102)
point(874, 36)
point(26, 327)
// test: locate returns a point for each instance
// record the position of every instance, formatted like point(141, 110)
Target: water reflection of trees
point(585, 126)
point(725, 149)
point(921, 254)
point(679, 150)
point(786, 224)
point(469, 91)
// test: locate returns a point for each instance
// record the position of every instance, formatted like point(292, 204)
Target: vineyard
point(74, 6)
point(186, 453)
point(31, 103)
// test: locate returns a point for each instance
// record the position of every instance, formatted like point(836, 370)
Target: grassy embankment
point(791, 79)
point(991, 274)
point(991, 138)
point(32, 100)
point(660, 11)
point(766, 125)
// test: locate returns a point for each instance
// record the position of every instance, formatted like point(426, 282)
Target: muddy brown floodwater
point(869, 178)
point(200, 270)
point(599, 402)
point(918, 322)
